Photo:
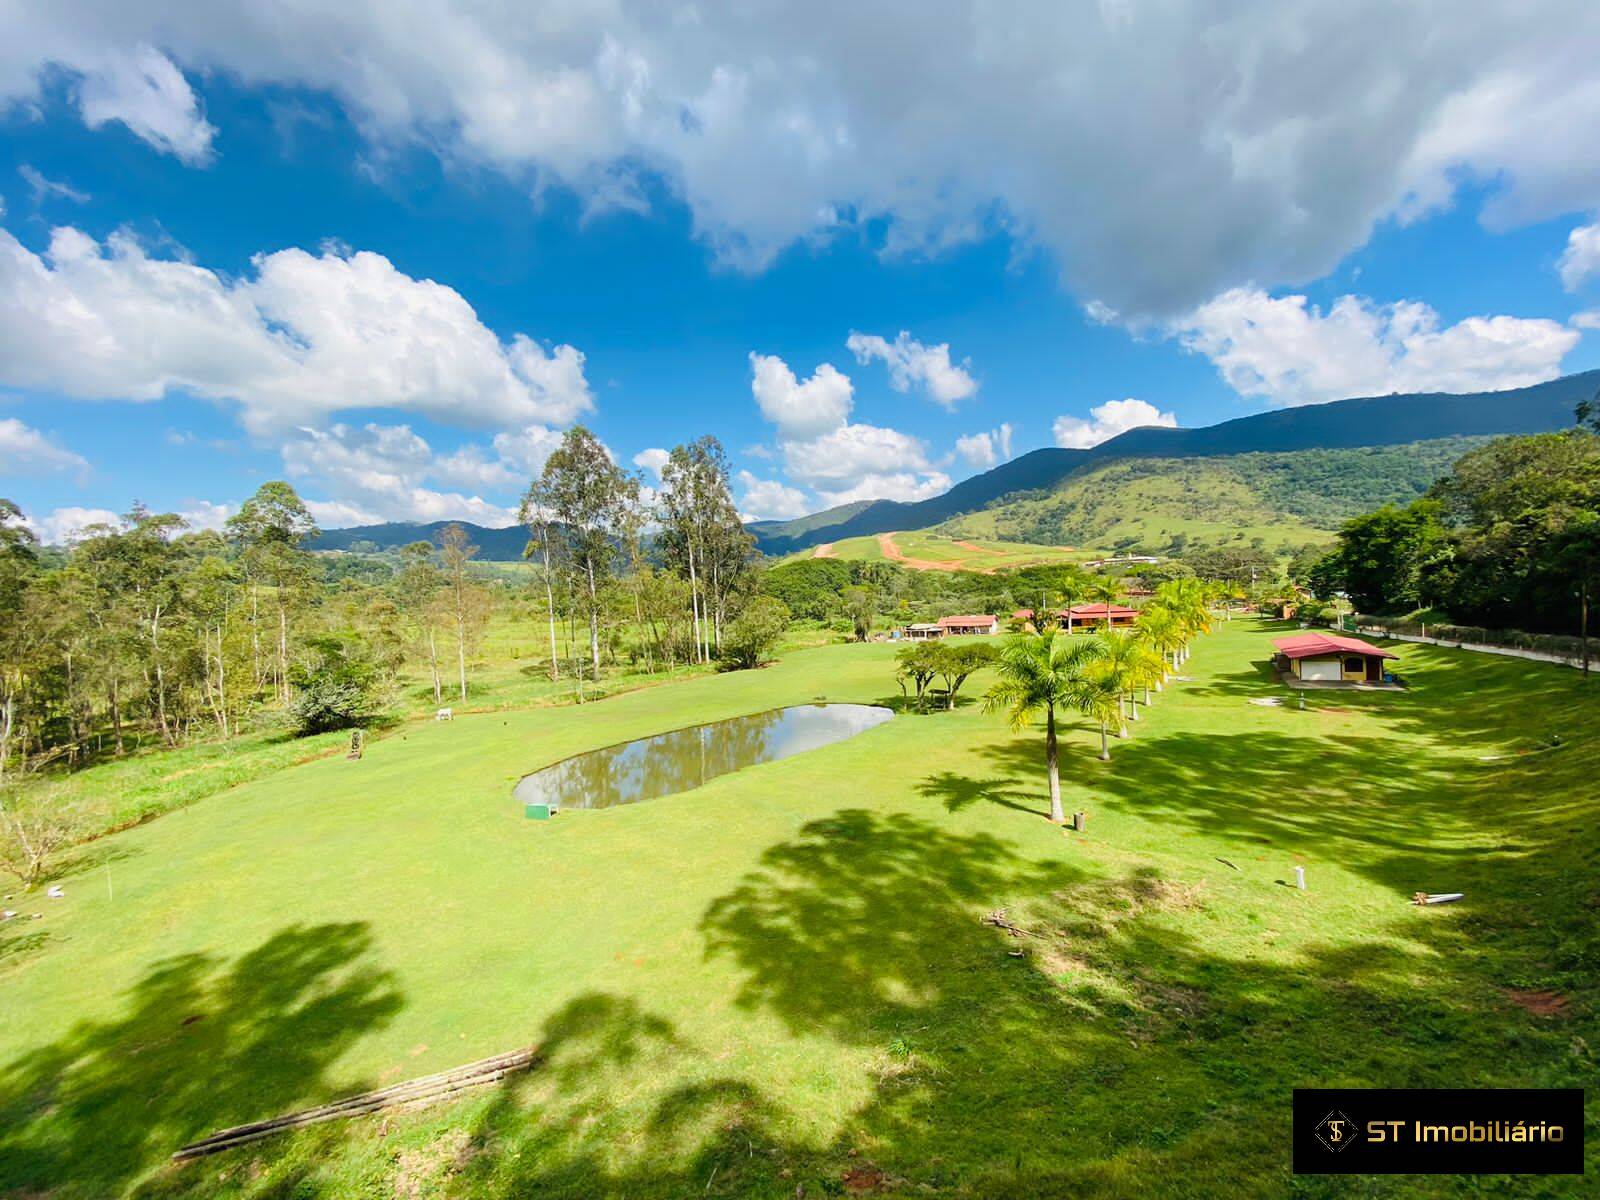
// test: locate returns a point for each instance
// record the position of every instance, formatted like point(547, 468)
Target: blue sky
point(214, 248)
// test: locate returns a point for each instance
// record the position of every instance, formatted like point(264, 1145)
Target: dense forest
point(1508, 539)
point(145, 633)
point(1165, 505)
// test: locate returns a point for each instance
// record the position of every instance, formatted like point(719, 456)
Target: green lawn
point(962, 553)
point(782, 980)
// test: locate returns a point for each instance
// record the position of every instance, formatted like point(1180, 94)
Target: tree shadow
point(18, 941)
point(958, 792)
point(201, 1044)
point(1115, 1048)
point(88, 856)
point(1110, 1050)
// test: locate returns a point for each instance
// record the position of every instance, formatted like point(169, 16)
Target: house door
point(1325, 670)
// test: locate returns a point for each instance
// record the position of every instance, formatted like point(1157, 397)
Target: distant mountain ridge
point(494, 545)
point(1341, 424)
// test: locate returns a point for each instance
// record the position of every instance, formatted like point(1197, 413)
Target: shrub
point(751, 634)
point(334, 686)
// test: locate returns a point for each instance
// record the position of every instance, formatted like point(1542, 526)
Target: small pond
point(686, 758)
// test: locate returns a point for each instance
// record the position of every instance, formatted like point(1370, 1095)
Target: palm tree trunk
point(1105, 746)
point(1052, 765)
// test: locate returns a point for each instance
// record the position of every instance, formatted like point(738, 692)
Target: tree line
point(143, 631)
point(1508, 539)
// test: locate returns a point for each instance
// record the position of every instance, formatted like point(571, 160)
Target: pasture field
point(927, 550)
point(782, 983)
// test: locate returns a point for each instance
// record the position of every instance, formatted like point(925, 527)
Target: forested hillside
point(1372, 421)
point(1164, 505)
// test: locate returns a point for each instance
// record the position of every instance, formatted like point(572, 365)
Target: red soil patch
point(863, 1181)
point(893, 553)
point(823, 551)
point(1540, 1002)
point(978, 549)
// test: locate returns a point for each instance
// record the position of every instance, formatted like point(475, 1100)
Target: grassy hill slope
point(927, 550)
point(1164, 504)
point(782, 981)
point(1387, 421)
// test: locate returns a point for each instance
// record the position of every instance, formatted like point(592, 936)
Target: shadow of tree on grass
point(201, 1044)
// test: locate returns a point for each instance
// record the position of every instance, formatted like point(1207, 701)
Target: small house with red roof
point(1117, 616)
point(1329, 658)
point(951, 626)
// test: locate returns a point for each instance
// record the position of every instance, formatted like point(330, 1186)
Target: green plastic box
point(538, 812)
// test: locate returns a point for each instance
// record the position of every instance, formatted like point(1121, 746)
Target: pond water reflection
point(686, 758)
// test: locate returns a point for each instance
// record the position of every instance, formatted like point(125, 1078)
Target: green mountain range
point(1279, 479)
point(1290, 475)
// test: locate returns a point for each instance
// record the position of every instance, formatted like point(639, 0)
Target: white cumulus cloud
point(1281, 133)
point(380, 473)
point(1581, 259)
point(26, 451)
point(305, 337)
point(206, 514)
point(800, 410)
point(141, 88)
point(1106, 421)
point(822, 450)
point(864, 462)
point(1287, 351)
point(987, 449)
point(652, 460)
point(911, 363)
point(64, 525)
point(769, 499)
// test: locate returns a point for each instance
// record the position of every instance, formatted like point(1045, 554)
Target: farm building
point(1116, 615)
point(970, 624)
point(1331, 659)
point(923, 632)
point(1085, 616)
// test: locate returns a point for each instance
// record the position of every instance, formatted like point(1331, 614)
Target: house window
point(1355, 665)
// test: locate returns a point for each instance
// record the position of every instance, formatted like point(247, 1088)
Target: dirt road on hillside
point(893, 553)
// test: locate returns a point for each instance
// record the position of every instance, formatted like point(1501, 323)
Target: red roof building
point(1331, 658)
point(969, 624)
point(1100, 614)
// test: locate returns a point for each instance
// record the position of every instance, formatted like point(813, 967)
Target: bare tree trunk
point(1583, 623)
point(550, 605)
point(161, 678)
point(1053, 767)
point(716, 604)
point(255, 636)
point(283, 648)
point(694, 600)
point(433, 665)
point(594, 622)
point(7, 720)
point(461, 649)
point(116, 710)
point(222, 683)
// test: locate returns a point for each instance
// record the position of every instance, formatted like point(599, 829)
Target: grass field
point(923, 549)
point(1157, 505)
point(781, 984)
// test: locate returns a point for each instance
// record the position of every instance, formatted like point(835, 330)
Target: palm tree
point(1116, 666)
point(1186, 600)
point(1047, 671)
point(1136, 666)
point(1160, 628)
